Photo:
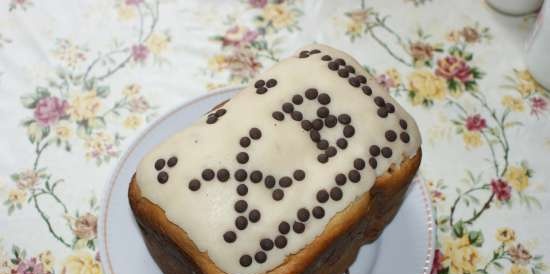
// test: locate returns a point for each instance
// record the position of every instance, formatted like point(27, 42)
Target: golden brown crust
point(330, 253)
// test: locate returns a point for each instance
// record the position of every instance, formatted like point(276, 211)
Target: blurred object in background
point(538, 47)
point(515, 7)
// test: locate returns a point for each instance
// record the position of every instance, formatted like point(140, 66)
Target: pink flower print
point(29, 267)
point(239, 36)
point(475, 123)
point(438, 262)
point(133, 2)
point(538, 105)
point(501, 189)
point(139, 53)
point(257, 3)
point(385, 81)
point(49, 110)
point(452, 67)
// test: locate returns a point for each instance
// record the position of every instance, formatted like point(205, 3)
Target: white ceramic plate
point(405, 247)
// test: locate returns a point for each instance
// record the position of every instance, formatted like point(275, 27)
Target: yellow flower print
point(518, 269)
point(514, 104)
point(355, 28)
point(526, 84)
point(157, 43)
point(517, 177)
point(100, 145)
point(70, 54)
point(131, 90)
point(217, 63)
point(126, 12)
point(472, 139)
point(63, 130)
point(453, 36)
point(279, 15)
point(505, 235)
point(460, 255)
point(47, 259)
point(81, 262)
point(426, 86)
point(132, 122)
point(84, 105)
point(394, 75)
point(35, 132)
point(17, 196)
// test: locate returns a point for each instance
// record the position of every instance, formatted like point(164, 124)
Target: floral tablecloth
point(78, 79)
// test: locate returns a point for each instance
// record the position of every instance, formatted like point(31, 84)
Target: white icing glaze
point(208, 213)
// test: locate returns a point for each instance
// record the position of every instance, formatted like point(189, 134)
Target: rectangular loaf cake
point(292, 175)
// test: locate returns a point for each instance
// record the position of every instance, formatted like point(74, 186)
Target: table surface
point(79, 80)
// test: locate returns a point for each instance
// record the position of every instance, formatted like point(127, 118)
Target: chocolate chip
point(333, 65)
point(306, 125)
point(359, 164)
point(343, 73)
point(211, 119)
point(208, 174)
point(240, 175)
point(314, 135)
point(241, 223)
point(303, 215)
point(318, 212)
point(349, 131)
point(322, 158)
point(340, 179)
point(326, 58)
point(379, 101)
point(373, 163)
point(315, 51)
point(277, 115)
point(374, 150)
point(322, 112)
point(331, 151)
point(404, 137)
point(271, 83)
point(245, 260)
point(311, 93)
point(242, 157)
point(344, 119)
point(284, 228)
point(386, 152)
point(342, 143)
point(242, 190)
point(194, 185)
point(354, 82)
point(260, 257)
point(362, 79)
point(254, 215)
point(382, 112)
point(390, 135)
point(297, 99)
point(162, 177)
point(336, 193)
point(269, 181)
point(340, 62)
point(298, 227)
point(288, 107)
point(278, 195)
point(172, 162)
point(267, 244)
point(299, 175)
point(304, 54)
point(285, 182)
point(323, 144)
point(350, 69)
point(230, 236)
point(261, 90)
point(280, 242)
point(354, 176)
point(324, 99)
point(367, 90)
point(255, 133)
point(322, 196)
point(297, 116)
point(221, 112)
point(331, 121)
point(390, 108)
point(259, 84)
point(403, 124)
point(241, 206)
point(256, 176)
point(244, 141)
point(159, 164)
point(223, 175)
point(317, 124)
